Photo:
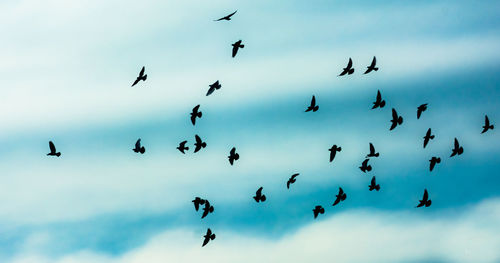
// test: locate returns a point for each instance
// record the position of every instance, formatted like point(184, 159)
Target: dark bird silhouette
point(421, 109)
point(340, 197)
point(237, 45)
point(347, 70)
point(140, 77)
point(396, 120)
point(428, 136)
point(313, 107)
point(333, 151)
point(379, 103)
point(182, 147)
point(487, 125)
point(372, 66)
point(209, 236)
point(233, 156)
point(433, 161)
point(259, 197)
point(457, 149)
point(228, 17)
point(373, 185)
point(365, 167)
point(215, 86)
point(207, 209)
point(197, 202)
point(291, 180)
point(138, 148)
point(425, 200)
point(53, 151)
point(372, 152)
point(199, 143)
point(195, 114)
point(318, 210)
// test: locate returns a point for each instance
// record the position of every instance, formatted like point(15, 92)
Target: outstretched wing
point(373, 182)
point(52, 147)
point(379, 96)
point(341, 191)
point(486, 121)
point(313, 101)
point(138, 144)
point(372, 149)
point(349, 65)
point(374, 61)
point(198, 139)
point(259, 192)
point(233, 151)
point(235, 50)
point(426, 195)
point(457, 145)
point(394, 114)
point(294, 175)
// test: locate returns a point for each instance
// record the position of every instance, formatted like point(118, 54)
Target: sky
point(67, 67)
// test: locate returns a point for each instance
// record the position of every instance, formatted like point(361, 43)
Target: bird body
point(236, 46)
point(365, 167)
point(379, 103)
point(208, 236)
point(373, 185)
point(141, 76)
point(341, 196)
point(182, 147)
point(396, 120)
point(457, 149)
point(421, 109)
point(53, 151)
point(195, 114)
point(487, 125)
point(207, 209)
point(199, 144)
point(433, 161)
point(228, 17)
point(197, 202)
point(313, 107)
point(428, 136)
point(318, 210)
point(259, 197)
point(347, 70)
point(425, 200)
point(333, 151)
point(233, 156)
point(291, 180)
point(215, 86)
point(372, 66)
point(138, 148)
point(372, 152)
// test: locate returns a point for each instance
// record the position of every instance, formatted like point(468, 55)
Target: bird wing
point(193, 118)
point(457, 145)
point(198, 139)
point(230, 15)
point(138, 144)
point(235, 50)
point(210, 90)
point(259, 192)
point(336, 201)
point(349, 65)
point(313, 101)
point(379, 96)
point(341, 191)
point(394, 114)
point(294, 175)
point(426, 195)
point(373, 182)
point(374, 61)
point(372, 149)
point(486, 121)
point(142, 72)
point(52, 147)
point(135, 82)
point(233, 151)
point(195, 109)
point(288, 183)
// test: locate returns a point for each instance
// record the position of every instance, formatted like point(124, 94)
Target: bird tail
point(351, 71)
point(428, 203)
point(204, 145)
point(212, 237)
point(211, 209)
point(242, 46)
point(438, 160)
point(263, 198)
point(492, 126)
point(58, 154)
point(143, 150)
point(377, 187)
point(369, 168)
point(187, 149)
point(145, 77)
point(382, 104)
point(432, 137)
point(376, 69)
point(400, 120)
point(461, 150)
point(236, 156)
point(316, 108)
point(199, 114)
point(339, 149)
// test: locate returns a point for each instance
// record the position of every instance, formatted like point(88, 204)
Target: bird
point(215, 86)
point(318, 210)
point(425, 200)
point(347, 70)
point(487, 125)
point(340, 197)
point(138, 148)
point(209, 236)
point(140, 77)
point(199, 143)
point(182, 147)
point(228, 17)
point(428, 136)
point(237, 45)
point(457, 149)
point(372, 66)
point(372, 152)
point(396, 120)
point(374, 185)
point(433, 161)
point(313, 107)
point(259, 197)
point(421, 109)
point(379, 103)
point(53, 151)
point(207, 209)
point(233, 156)
point(197, 202)
point(291, 180)
point(365, 167)
point(333, 151)
point(195, 113)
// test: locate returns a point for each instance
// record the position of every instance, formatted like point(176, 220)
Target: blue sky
point(67, 68)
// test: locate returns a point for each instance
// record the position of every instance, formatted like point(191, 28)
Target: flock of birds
point(259, 196)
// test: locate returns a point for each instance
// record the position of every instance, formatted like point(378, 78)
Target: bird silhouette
point(433, 161)
point(333, 151)
point(237, 45)
point(379, 103)
point(347, 70)
point(182, 147)
point(373, 185)
point(233, 156)
point(372, 152)
point(53, 151)
point(228, 17)
point(396, 120)
point(313, 107)
point(259, 197)
point(340, 197)
point(425, 200)
point(215, 86)
point(428, 136)
point(291, 180)
point(487, 125)
point(372, 66)
point(365, 167)
point(197, 202)
point(140, 77)
point(138, 148)
point(209, 236)
point(199, 143)
point(207, 209)
point(195, 113)
point(421, 109)
point(457, 149)
point(318, 210)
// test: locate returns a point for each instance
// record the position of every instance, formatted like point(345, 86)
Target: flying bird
point(197, 202)
point(396, 120)
point(487, 125)
point(347, 70)
point(209, 236)
point(291, 180)
point(421, 109)
point(457, 149)
point(428, 136)
point(313, 107)
point(373, 185)
point(228, 17)
point(207, 209)
point(182, 147)
point(425, 200)
point(237, 45)
point(53, 151)
point(372, 152)
point(372, 66)
point(340, 197)
point(140, 77)
point(233, 156)
point(195, 114)
point(333, 151)
point(318, 210)
point(215, 86)
point(365, 167)
point(259, 197)
point(433, 161)
point(138, 148)
point(199, 143)
point(379, 103)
